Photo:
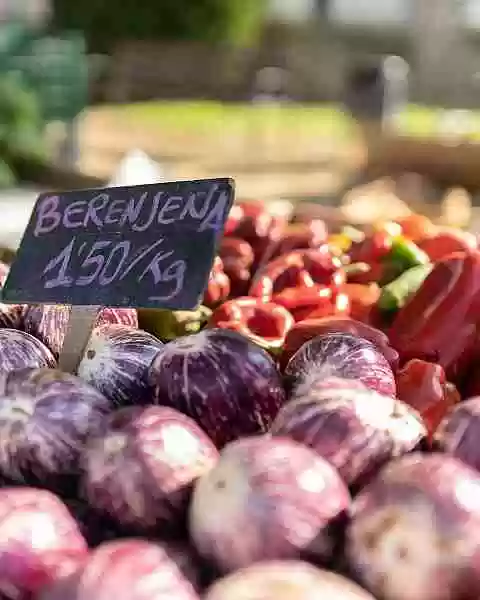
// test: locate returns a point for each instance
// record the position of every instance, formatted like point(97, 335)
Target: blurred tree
point(106, 21)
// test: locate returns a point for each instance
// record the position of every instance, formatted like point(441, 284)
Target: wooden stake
point(80, 325)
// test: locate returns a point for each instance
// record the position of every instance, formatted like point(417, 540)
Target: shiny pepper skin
point(423, 386)
point(439, 323)
point(218, 287)
point(446, 241)
point(260, 229)
point(299, 269)
point(313, 302)
point(416, 227)
point(301, 236)
point(362, 298)
point(237, 256)
point(372, 249)
point(265, 323)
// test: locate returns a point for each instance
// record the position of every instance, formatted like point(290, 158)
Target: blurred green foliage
point(21, 127)
point(106, 21)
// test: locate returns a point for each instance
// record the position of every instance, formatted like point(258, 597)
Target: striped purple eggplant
point(339, 355)
point(40, 543)
point(458, 433)
point(11, 315)
point(20, 350)
point(285, 580)
point(45, 418)
point(139, 468)
point(267, 498)
point(226, 383)
point(48, 322)
point(356, 429)
point(116, 362)
point(132, 569)
point(415, 531)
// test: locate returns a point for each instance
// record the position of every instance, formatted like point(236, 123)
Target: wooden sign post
point(149, 246)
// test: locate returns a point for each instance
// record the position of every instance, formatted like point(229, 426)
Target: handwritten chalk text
point(104, 263)
point(205, 210)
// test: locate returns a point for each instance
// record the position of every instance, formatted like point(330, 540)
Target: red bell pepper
point(439, 323)
point(259, 228)
point(372, 248)
point(446, 241)
point(365, 273)
point(265, 323)
point(252, 208)
point(218, 288)
point(301, 268)
point(237, 256)
point(302, 332)
point(362, 299)
point(416, 227)
point(313, 302)
point(299, 236)
point(235, 215)
point(424, 386)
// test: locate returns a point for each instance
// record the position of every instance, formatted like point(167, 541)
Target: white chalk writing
point(104, 211)
point(105, 263)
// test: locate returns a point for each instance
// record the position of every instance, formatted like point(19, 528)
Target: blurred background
point(298, 100)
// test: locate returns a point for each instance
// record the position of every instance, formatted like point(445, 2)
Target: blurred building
point(440, 39)
point(318, 44)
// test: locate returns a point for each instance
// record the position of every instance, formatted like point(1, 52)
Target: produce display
point(311, 432)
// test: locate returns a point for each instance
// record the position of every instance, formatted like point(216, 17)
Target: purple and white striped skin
point(230, 386)
point(459, 433)
point(356, 429)
point(40, 543)
point(415, 531)
point(267, 499)
point(116, 362)
point(19, 350)
point(48, 322)
point(340, 355)
point(140, 468)
point(45, 417)
point(132, 569)
point(11, 315)
point(285, 580)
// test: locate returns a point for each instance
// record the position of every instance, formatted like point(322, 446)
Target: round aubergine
point(40, 542)
point(340, 355)
point(230, 386)
point(116, 362)
point(135, 569)
point(45, 418)
point(415, 531)
point(285, 580)
point(20, 350)
point(459, 433)
point(356, 429)
point(11, 316)
point(49, 322)
point(140, 468)
point(267, 498)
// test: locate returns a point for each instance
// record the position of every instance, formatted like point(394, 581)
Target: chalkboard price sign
point(140, 246)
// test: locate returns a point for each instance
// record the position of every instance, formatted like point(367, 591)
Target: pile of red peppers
point(410, 287)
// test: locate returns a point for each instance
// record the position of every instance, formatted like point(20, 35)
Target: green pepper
point(402, 256)
point(406, 253)
point(395, 295)
point(170, 324)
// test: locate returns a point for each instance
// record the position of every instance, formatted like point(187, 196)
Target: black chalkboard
point(139, 246)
